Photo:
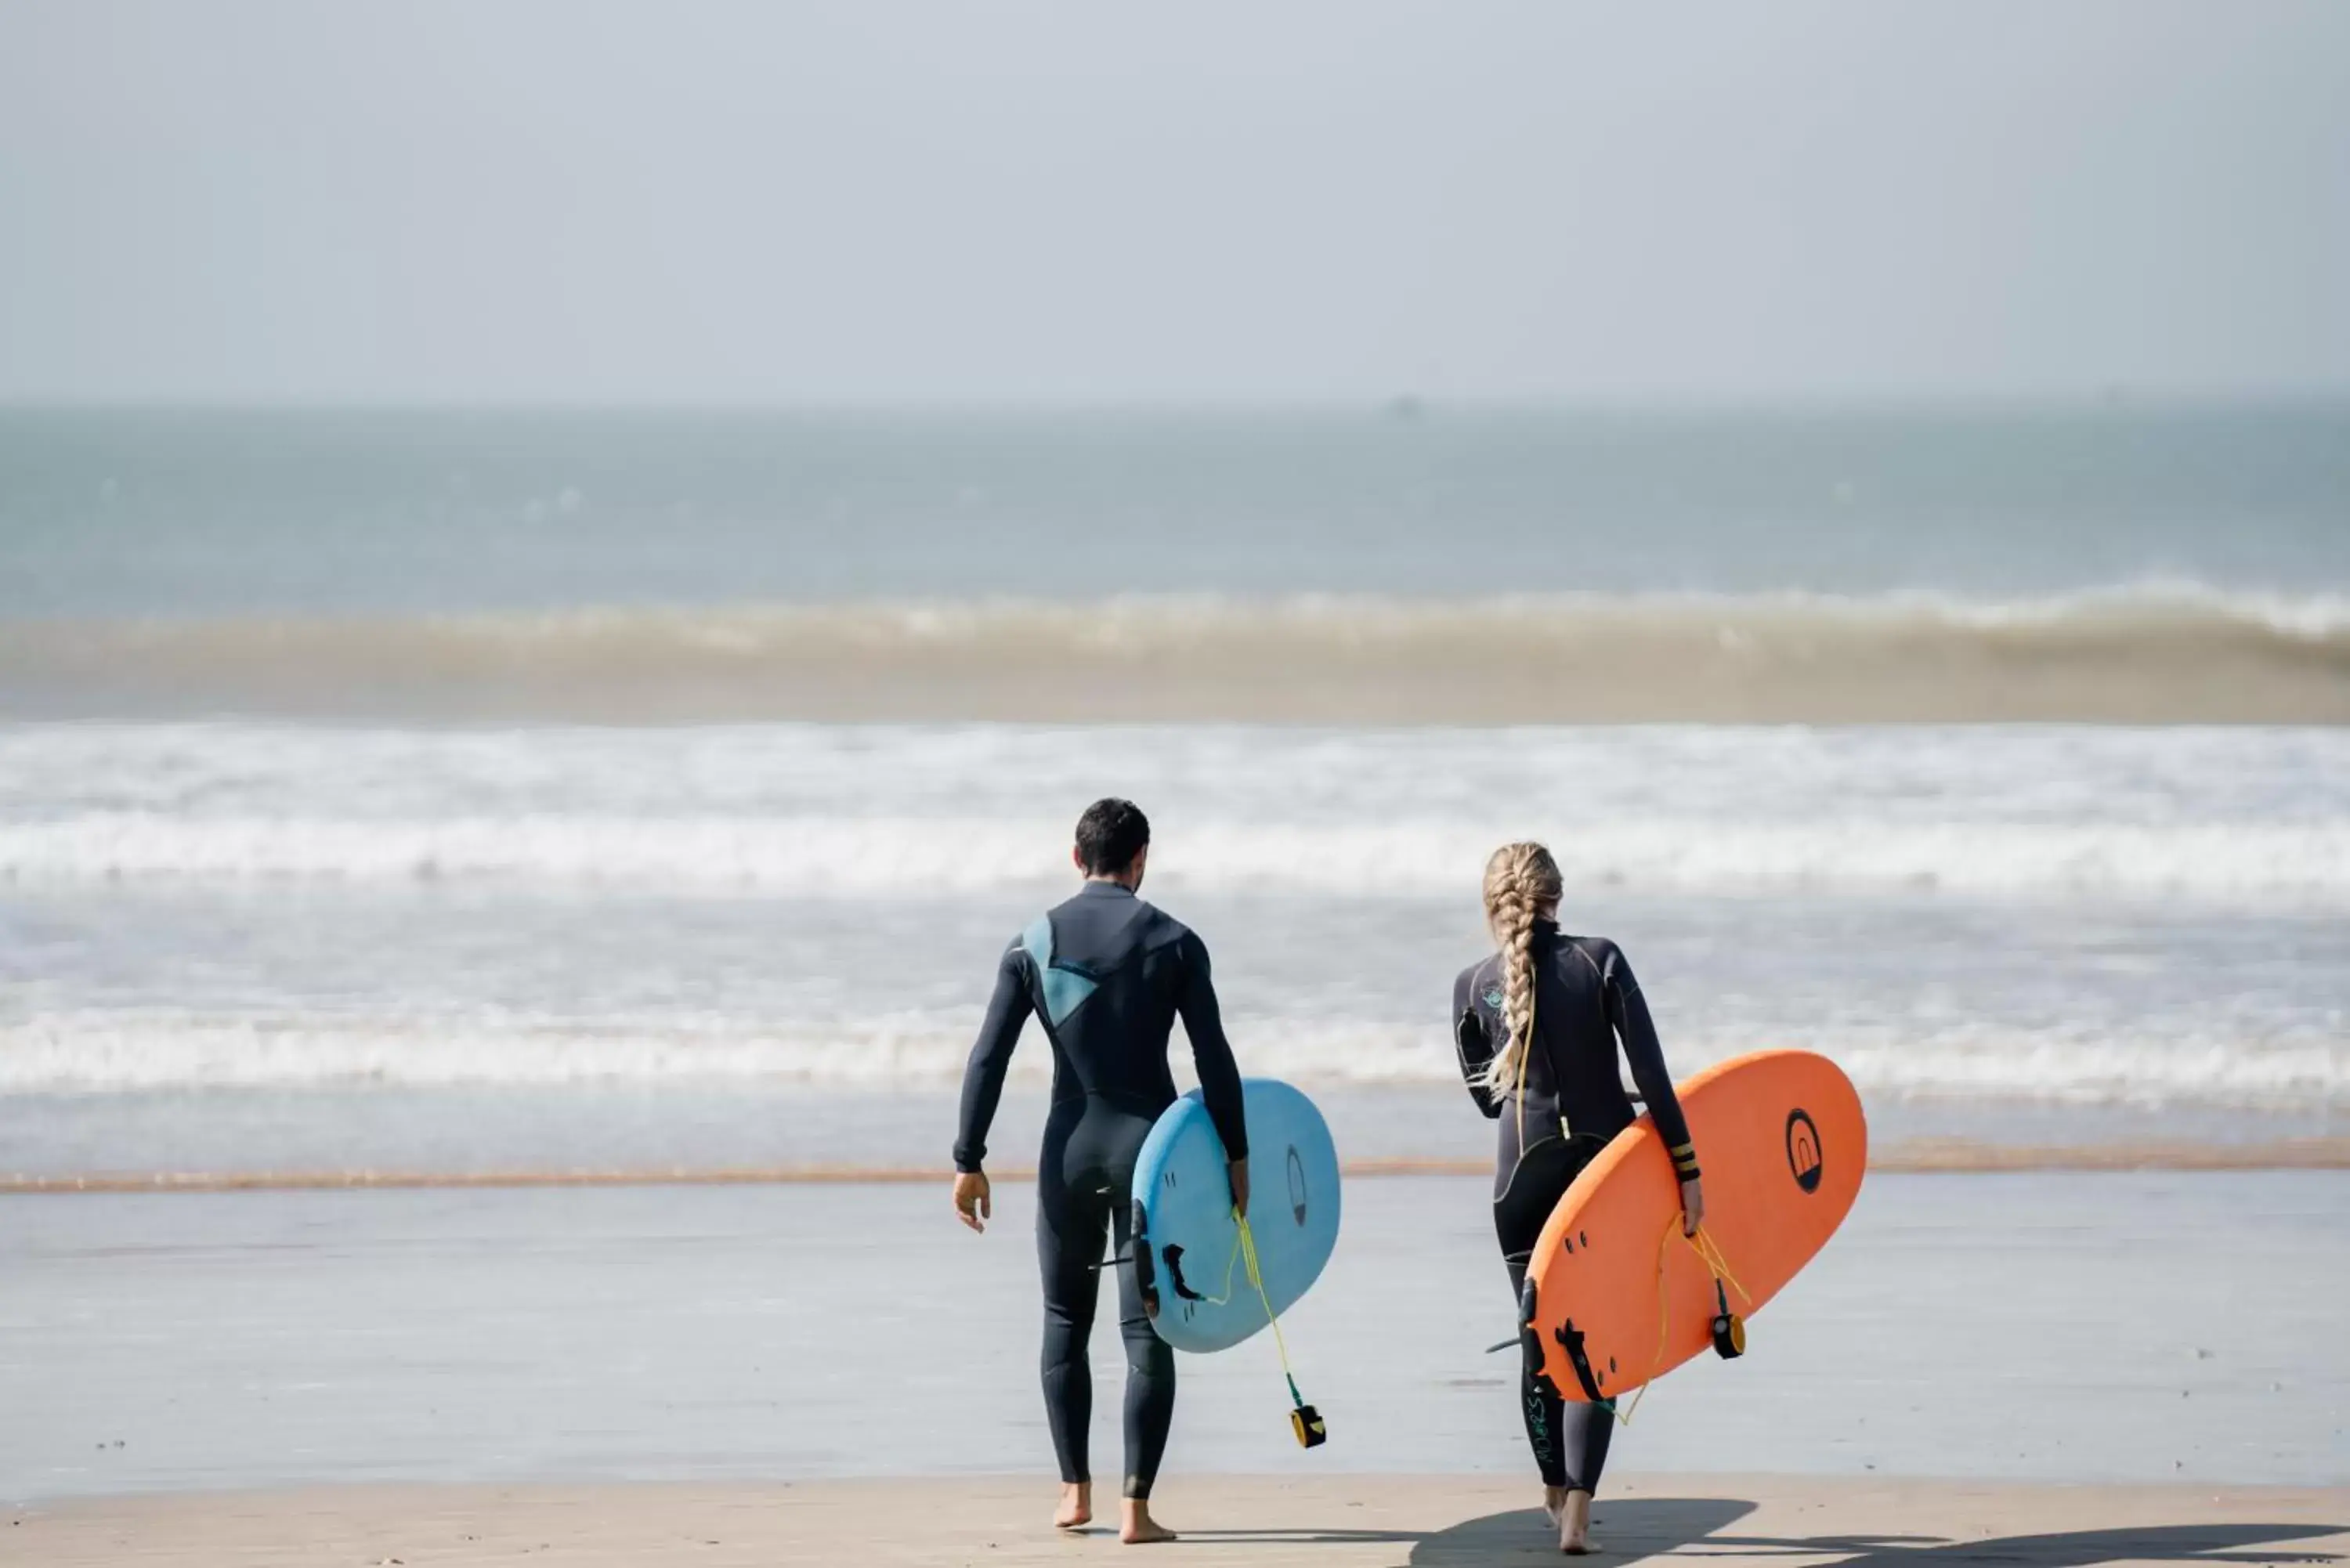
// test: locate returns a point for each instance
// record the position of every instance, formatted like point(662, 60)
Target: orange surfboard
point(1619, 1297)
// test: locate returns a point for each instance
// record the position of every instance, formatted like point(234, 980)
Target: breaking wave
point(113, 1052)
point(2298, 862)
point(2142, 653)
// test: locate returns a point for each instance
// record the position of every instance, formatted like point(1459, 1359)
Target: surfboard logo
point(1296, 1185)
point(1803, 1157)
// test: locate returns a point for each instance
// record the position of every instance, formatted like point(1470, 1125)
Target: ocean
point(450, 791)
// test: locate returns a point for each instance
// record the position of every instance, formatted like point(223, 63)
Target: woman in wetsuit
point(1537, 1026)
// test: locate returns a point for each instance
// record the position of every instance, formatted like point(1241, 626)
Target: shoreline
point(1342, 1520)
point(1927, 1156)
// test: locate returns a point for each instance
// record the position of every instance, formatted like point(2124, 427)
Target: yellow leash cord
point(1273, 1318)
point(1305, 1420)
point(1710, 1253)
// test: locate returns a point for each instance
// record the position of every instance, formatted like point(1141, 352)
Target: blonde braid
point(1521, 881)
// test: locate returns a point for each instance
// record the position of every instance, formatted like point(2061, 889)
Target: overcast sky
point(494, 201)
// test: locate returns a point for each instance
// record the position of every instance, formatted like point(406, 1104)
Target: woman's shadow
point(1629, 1529)
point(1647, 1527)
point(1635, 1527)
point(1624, 1528)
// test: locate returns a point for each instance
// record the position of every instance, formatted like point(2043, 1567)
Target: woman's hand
point(1692, 1205)
point(1239, 1172)
point(973, 1203)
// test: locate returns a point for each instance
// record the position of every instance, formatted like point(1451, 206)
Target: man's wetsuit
point(1109, 974)
point(1572, 1103)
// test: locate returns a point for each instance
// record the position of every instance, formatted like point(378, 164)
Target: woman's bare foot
point(1137, 1528)
point(1575, 1525)
point(1553, 1500)
point(1077, 1505)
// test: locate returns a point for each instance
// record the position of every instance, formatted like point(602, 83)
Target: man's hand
point(1692, 1205)
point(1239, 1172)
point(973, 1204)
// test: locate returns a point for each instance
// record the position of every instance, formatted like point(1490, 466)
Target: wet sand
point(1343, 1522)
point(2078, 1327)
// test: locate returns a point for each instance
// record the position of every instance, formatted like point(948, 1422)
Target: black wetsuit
point(1109, 974)
point(1573, 1103)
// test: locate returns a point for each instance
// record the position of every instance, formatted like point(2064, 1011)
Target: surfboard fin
point(1567, 1334)
point(1530, 1341)
point(1175, 1274)
point(1146, 1280)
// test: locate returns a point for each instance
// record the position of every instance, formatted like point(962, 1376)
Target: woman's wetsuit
point(1571, 1103)
point(1109, 974)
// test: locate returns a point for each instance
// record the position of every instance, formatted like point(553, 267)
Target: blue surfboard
point(1183, 1214)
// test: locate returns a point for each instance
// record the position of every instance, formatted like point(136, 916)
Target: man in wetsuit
point(1107, 975)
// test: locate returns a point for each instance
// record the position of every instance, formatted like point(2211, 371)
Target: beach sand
point(1341, 1521)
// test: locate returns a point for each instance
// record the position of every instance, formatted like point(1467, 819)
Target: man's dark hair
point(1110, 835)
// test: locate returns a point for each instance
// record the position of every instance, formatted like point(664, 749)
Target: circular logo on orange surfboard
point(1804, 1155)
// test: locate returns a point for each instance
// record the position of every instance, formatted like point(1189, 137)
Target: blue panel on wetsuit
point(1063, 988)
point(1186, 1198)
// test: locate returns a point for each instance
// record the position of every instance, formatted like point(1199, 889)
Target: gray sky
point(547, 200)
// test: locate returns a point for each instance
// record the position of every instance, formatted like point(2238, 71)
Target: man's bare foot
point(1553, 1500)
point(1077, 1505)
point(1575, 1525)
point(1137, 1528)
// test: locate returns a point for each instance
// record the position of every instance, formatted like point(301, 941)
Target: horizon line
point(1403, 407)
